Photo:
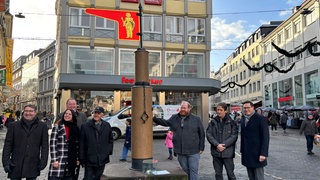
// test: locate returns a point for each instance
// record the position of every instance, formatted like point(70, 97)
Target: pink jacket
point(168, 141)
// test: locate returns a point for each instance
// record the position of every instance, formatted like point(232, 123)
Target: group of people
point(222, 134)
point(74, 142)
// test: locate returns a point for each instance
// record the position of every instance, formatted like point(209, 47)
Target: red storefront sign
point(128, 21)
point(284, 99)
point(126, 80)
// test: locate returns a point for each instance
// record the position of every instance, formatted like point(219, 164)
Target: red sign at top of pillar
point(128, 21)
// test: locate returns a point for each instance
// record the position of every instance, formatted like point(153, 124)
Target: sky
point(232, 22)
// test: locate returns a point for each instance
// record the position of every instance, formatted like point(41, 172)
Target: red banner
point(284, 99)
point(128, 21)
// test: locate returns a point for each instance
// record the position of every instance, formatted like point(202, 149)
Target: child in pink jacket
point(169, 144)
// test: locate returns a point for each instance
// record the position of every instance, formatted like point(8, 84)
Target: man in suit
point(254, 142)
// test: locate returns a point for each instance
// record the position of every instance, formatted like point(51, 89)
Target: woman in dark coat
point(64, 148)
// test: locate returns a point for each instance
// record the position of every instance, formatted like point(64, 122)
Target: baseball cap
point(99, 109)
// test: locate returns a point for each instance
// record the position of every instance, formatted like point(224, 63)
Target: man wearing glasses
point(26, 147)
point(254, 142)
point(188, 138)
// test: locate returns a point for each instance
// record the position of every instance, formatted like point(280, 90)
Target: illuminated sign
point(126, 80)
point(128, 21)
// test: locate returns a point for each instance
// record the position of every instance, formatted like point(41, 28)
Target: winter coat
point(95, 145)
point(309, 127)
point(187, 139)
point(127, 141)
point(274, 119)
point(254, 141)
point(81, 118)
point(224, 132)
point(59, 146)
point(283, 119)
point(26, 151)
point(168, 141)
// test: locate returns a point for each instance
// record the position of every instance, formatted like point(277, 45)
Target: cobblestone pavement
point(288, 159)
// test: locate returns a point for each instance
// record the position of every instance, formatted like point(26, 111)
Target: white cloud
point(37, 29)
point(227, 35)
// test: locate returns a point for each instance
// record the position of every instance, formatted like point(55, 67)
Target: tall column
point(141, 128)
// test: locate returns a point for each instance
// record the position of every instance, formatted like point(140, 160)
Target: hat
point(99, 109)
point(310, 114)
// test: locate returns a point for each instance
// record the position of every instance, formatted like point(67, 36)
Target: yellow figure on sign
point(128, 23)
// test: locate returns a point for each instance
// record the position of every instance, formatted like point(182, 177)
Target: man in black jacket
point(26, 147)
point(222, 134)
point(96, 145)
point(188, 138)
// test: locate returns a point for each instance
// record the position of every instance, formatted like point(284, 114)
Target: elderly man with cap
point(96, 145)
point(308, 127)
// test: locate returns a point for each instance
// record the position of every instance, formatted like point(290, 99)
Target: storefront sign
point(126, 80)
point(153, 2)
point(284, 99)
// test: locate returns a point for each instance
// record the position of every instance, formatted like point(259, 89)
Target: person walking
point(81, 116)
point(283, 121)
point(127, 141)
point(96, 145)
point(188, 139)
point(308, 127)
point(274, 121)
point(254, 146)
point(64, 148)
point(168, 143)
point(222, 134)
point(26, 147)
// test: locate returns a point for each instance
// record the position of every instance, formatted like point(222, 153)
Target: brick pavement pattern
point(288, 159)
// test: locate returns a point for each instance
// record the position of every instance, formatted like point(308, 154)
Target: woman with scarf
point(64, 148)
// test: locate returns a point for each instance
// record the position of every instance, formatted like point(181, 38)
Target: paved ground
point(287, 159)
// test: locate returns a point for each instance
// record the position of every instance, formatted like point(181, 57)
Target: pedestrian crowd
point(76, 141)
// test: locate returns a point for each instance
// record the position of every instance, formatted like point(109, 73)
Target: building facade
point(45, 80)
point(15, 94)
point(96, 68)
point(301, 85)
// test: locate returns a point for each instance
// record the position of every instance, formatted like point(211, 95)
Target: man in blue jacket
point(96, 145)
point(188, 138)
point(254, 142)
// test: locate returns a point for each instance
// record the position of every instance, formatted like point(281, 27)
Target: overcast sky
point(233, 21)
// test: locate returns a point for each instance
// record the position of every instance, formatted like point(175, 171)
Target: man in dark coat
point(96, 145)
point(222, 134)
point(26, 147)
point(72, 105)
point(254, 142)
point(188, 138)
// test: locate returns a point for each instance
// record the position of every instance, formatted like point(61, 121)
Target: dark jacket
point(26, 151)
point(127, 141)
point(308, 127)
point(188, 139)
point(224, 132)
point(95, 145)
point(254, 141)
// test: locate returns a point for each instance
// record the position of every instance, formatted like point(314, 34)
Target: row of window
point(79, 23)
point(83, 60)
point(46, 63)
point(46, 84)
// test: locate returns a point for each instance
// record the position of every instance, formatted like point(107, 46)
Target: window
point(104, 28)
point(190, 65)
point(279, 38)
point(174, 29)
point(127, 62)
point(79, 22)
point(258, 85)
point(152, 27)
point(310, 18)
point(257, 50)
point(250, 88)
point(287, 33)
point(254, 87)
point(83, 60)
point(297, 27)
point(282, 62)
point(299, 56)
point(196, 30)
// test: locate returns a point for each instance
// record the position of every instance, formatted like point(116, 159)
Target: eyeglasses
point(28, 111)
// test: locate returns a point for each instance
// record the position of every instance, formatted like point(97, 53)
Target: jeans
point(218, 167)
point(125, 150)
point(190, 165)
point(309, 139)
point(93, 173)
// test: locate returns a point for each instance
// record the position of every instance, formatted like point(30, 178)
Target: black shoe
point(310, 153)
point(123, 160)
